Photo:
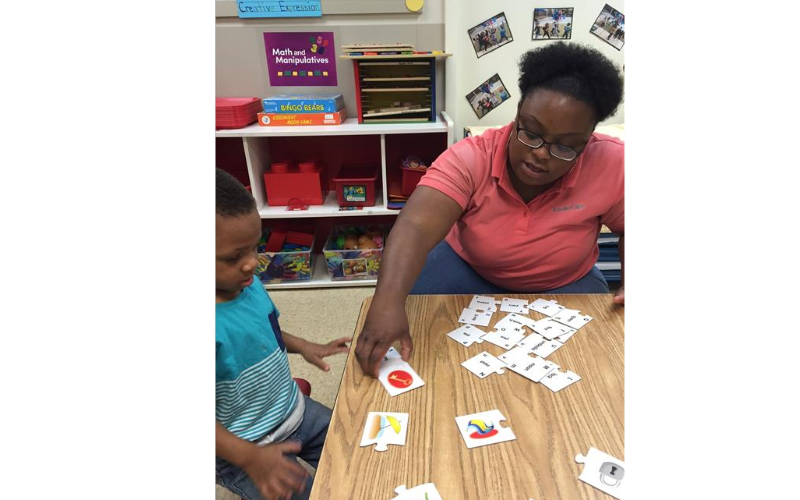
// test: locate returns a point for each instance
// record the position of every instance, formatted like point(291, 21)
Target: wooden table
point(551, 428)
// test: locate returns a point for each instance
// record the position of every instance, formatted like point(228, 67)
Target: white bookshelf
point(329, 209)
point(256, 141)
point(443, 124)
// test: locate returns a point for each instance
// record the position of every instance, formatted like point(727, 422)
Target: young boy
point(263, 421)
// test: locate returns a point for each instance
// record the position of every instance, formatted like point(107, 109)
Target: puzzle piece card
point(551, 329)
point(563, 338)
point(603, 471)
point(545, 348)
point(517, 355)
point(425, 491)
point(530, 341)
point(534, 369)
point(483, 303)
point(480, 429)
point(475, 317)
point(546, 307)
point(572, 318)
point(514, 319)
point(396, 375)
point(505, 336)
point(382, 429)
point(517, 306)
point(467, 335)
point(557, 380)
point(484, 364)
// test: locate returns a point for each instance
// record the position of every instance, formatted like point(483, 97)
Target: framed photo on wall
point(552, 24)
point(488, 95)
point(490, 34)
point(610, 27)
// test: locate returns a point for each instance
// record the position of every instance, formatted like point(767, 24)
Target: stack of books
point(396, 198)
point(295, 109)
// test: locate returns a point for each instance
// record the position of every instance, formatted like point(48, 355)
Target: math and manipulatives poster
point(301, 59)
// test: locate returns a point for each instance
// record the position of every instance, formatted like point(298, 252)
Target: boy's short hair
point(233, 199)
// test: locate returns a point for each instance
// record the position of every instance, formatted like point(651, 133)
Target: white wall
point(241, 68)
point(464, 71)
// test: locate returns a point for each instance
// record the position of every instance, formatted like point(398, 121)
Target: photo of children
point(552, 24)
point(488, 96)
point(610, 27)
point(490, 34)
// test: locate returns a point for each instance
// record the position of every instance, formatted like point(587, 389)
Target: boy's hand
point(619, 297)
point(313, 353)
point(275, 475)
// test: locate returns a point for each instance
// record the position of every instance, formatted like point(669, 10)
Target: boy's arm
point(275, 475)
point(313, 353)
point(231, 448)
point(294, 345)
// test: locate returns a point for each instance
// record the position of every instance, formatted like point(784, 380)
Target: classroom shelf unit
point(335, 146)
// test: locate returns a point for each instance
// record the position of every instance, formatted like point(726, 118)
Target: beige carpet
point(317, 315)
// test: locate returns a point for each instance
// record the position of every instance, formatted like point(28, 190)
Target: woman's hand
point(619, 297)
point(384, 325)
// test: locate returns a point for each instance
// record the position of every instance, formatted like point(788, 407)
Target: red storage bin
point(355, 186)
point(284, 182)
point(411, 178)
point(412, 173)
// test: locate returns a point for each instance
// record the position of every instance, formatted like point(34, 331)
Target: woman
point(520, 206)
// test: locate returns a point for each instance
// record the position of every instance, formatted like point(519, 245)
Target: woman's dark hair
point(574, 70)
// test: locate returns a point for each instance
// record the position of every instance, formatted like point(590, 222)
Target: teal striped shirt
point(255, 389)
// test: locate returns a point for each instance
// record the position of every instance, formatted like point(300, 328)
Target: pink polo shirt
point(545, 244)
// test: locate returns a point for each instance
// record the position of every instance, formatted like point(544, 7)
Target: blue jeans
point(311, 434)
point(446, 273)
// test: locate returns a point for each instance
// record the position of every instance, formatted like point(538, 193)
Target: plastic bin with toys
point(413, 169)
point(285, 255)
point(355, 186)
point(354, 252)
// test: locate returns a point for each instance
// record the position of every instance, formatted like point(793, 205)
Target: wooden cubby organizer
point(398, 88)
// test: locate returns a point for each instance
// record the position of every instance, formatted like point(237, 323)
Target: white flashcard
point(382, 429)
point(517, 355)
point(480, 429)
point(557, 380)
point(483, 303)
point(603, 471)
point(551, 329)
point(542, 348)
point(517, 306)
point(484, 364)
point(546, 307)
point(563, 338)
point(425, 491)
point(475, 317)
point(572, 318)
point(396, 375)
point(514, 319)
point(505, 336)
point(530, 341)
point(534, 369)
point(467, 335)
